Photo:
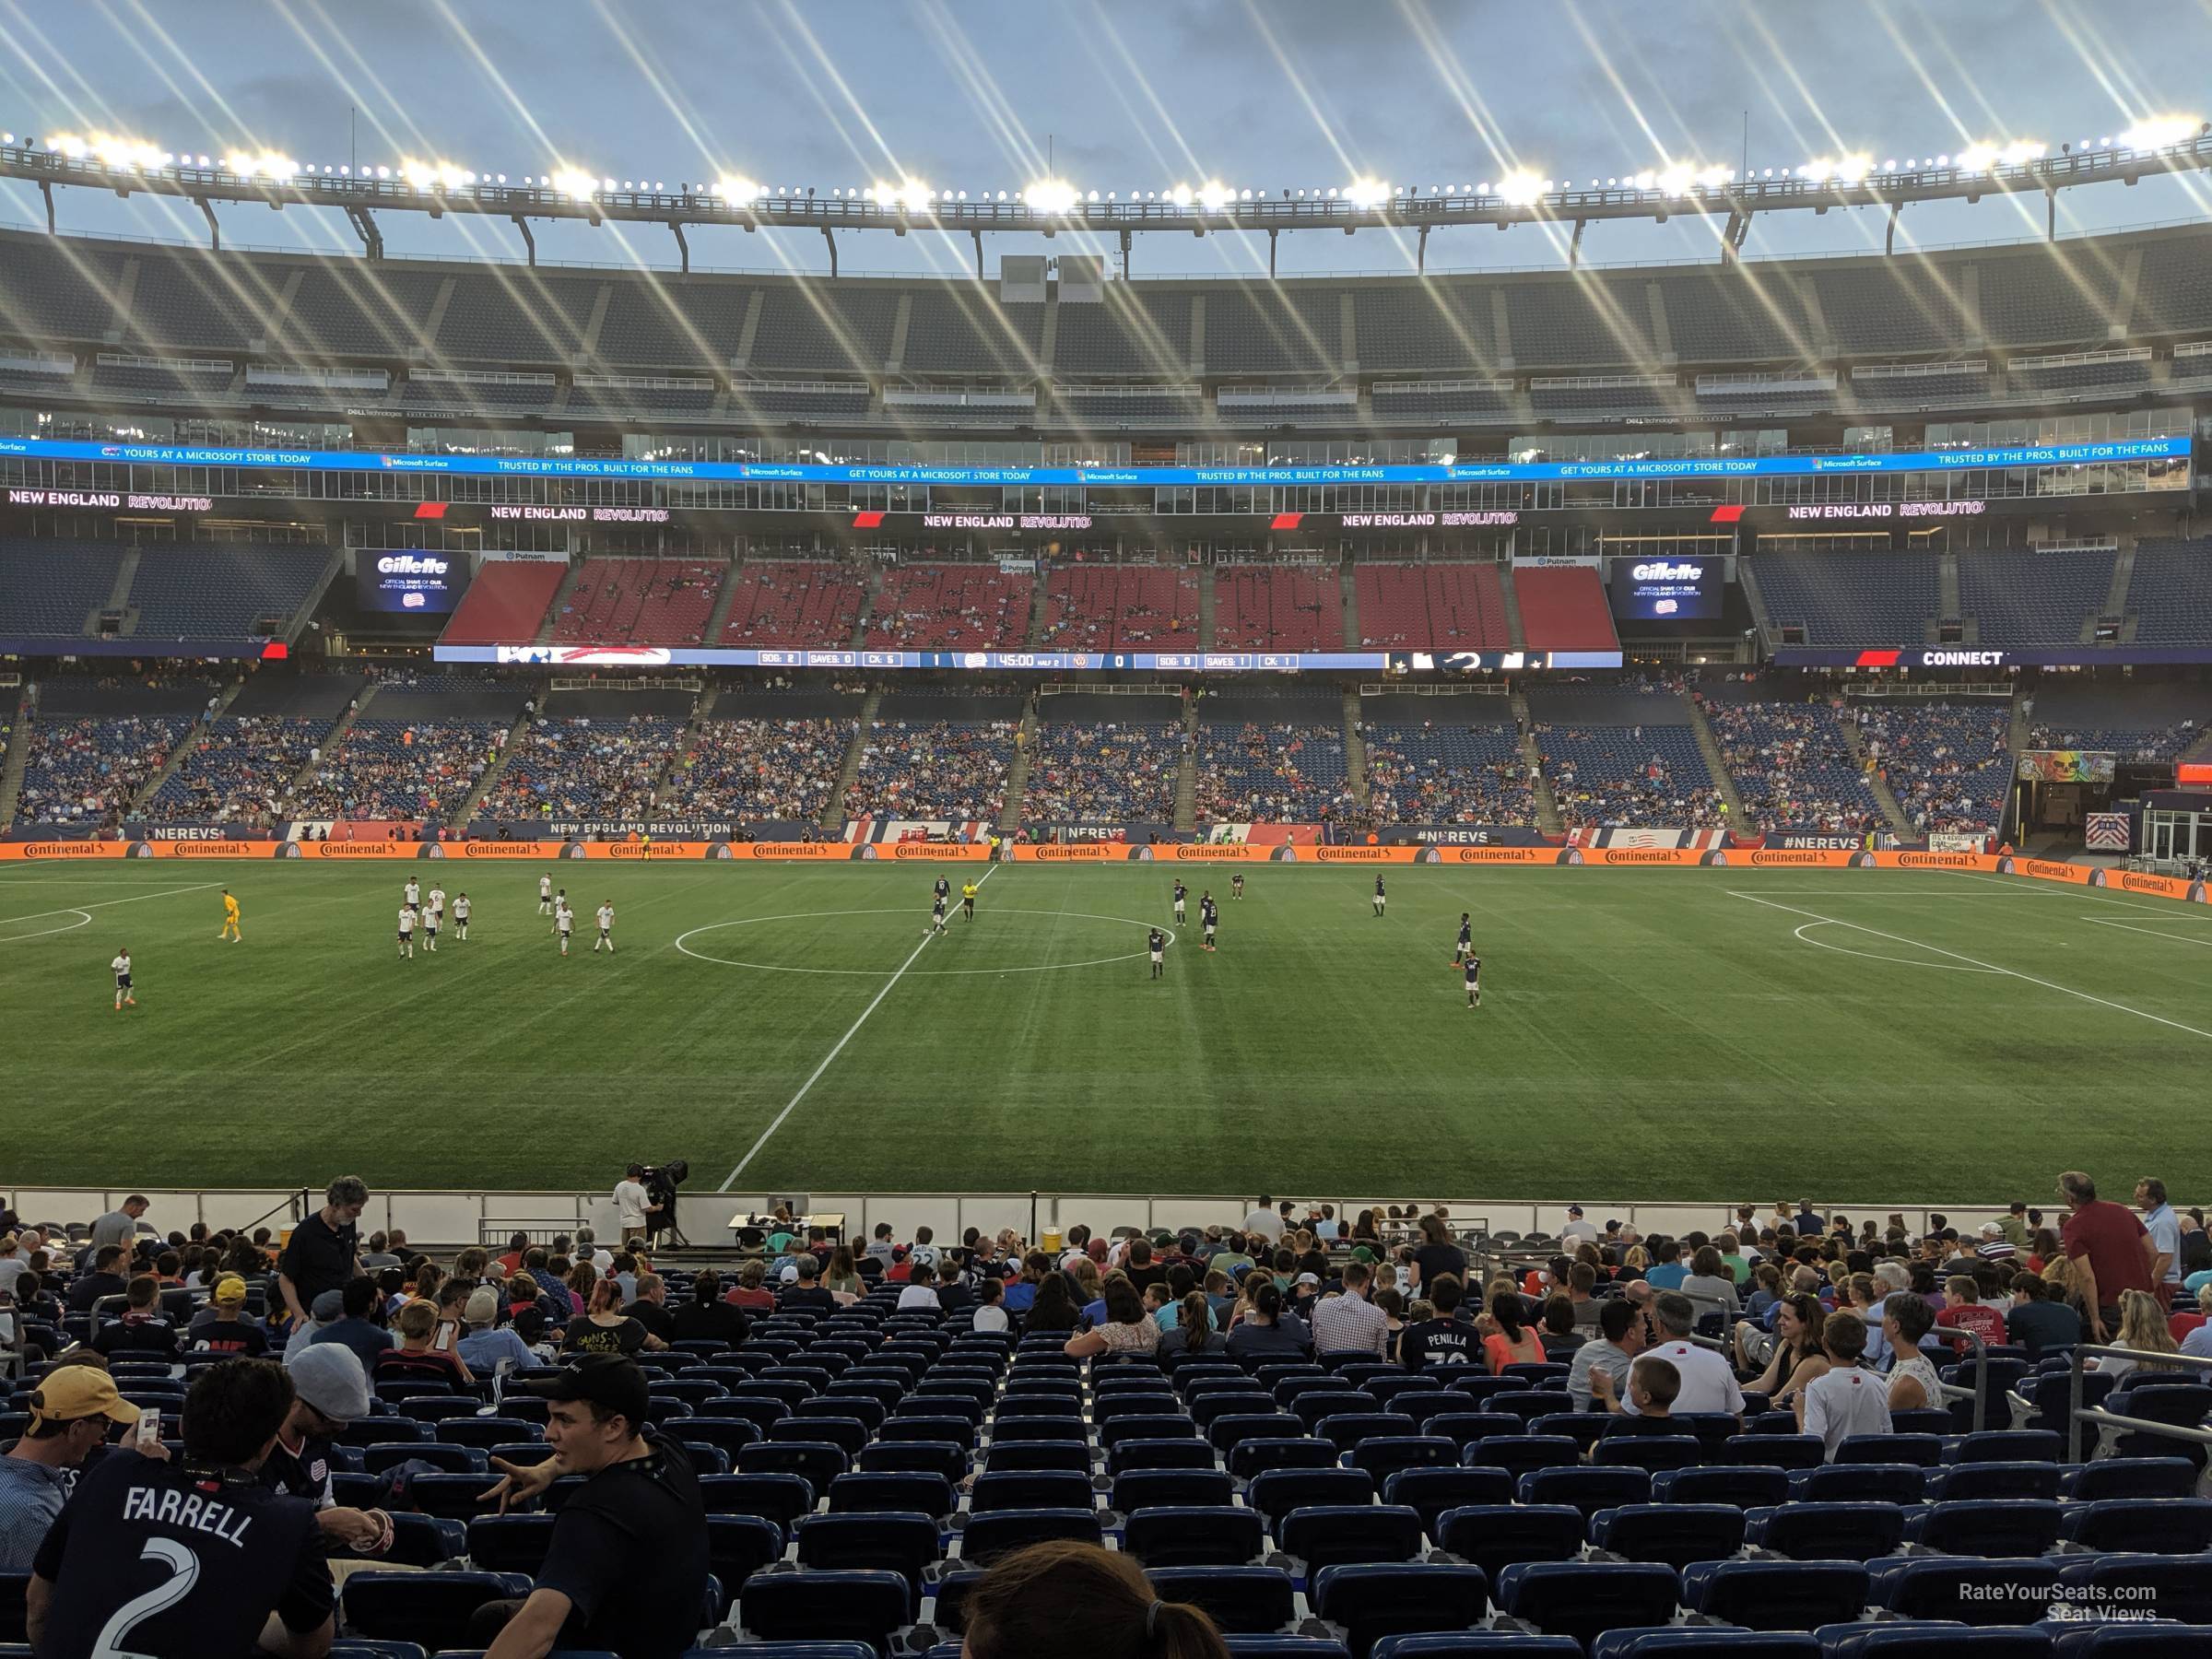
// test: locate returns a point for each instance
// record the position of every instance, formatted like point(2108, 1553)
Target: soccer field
point(1690, 1034)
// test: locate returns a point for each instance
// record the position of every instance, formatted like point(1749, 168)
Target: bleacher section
point(759, 763)
point(641, 602)
point(193, 591)
point(1563, 608)
point(574, 765)
point(1455, 606)
point(1619, 758)
point(239, 770)
point(780, 604)
point(1948, 764)
point(52, 588)
point(1791, 768)
point(1262, 607)
point(90, 755)
point(2169, 595)
point(2150, 722)
point(1104, 760)
point(2032, 598)
point(937, 758)
point(1286, 769)
point(1445, 760)
point(399, 768)
point(950, 607)
point(1878, 599)
point(507, 601)
point(1110, 607)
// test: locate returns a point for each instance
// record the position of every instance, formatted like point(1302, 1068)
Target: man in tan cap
point(71, 1412)
point(223, 1326)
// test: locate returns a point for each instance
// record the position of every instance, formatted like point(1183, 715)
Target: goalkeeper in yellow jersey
point(230, 930)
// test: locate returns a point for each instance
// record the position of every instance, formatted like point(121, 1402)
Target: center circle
point(996, 910)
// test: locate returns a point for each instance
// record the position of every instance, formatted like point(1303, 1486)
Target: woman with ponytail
point(1076, 1601)
point(1269, 1330)
point(1194, 1332)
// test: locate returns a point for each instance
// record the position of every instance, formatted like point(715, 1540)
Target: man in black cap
point(625, 1571)
point(193, 1559)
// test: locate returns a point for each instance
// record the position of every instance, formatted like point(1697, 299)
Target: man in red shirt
point(2109, 1248)
point(1962, 1310)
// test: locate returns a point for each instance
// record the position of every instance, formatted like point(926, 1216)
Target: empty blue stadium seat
point(1746, 1486)
point(1676, 1534)
point(2140, 1525)
point(1584, 1599)
point(1156, 1488)
point(780, 1498)
point(1477, 1644)
point(1278, 1647)
point(864, 1493)
point(1931, 1640)
point(2011, 1445)
point(860, 1605)
point(739, 1546)
point(1255, 1600)
point(2130, 1478)
point(1432, 1492)
point(1998, 1526)
point(1368, 1603)
point(1775, 1595)
point(1962, 1482)
point(1684, 1643)
point(1496, 1536)
point(431, 1608)
point(2178, 1587)
point(1333, 1535)
point(904, 1544)
point(1276, 1492)
point(1860, 1483)
point(2113, 1639)
point(1194, 1535)
point(1979, 1592)
point(988, 1537)
point(1836, 1531)
point(1926, 1450)
point(1588, 1490)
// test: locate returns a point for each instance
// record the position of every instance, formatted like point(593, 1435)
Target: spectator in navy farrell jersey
point(191, 1558)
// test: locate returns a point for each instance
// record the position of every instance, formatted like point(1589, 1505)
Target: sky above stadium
point(1139, 94)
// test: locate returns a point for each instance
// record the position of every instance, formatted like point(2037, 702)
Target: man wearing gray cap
point(330, 1390)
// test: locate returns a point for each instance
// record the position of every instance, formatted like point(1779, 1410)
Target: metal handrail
point(2078, 1414)
point(1951, 1391)
point(297, 1202)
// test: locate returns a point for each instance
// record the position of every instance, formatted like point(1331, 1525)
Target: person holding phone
point(427, 1351)
point(73, 1410)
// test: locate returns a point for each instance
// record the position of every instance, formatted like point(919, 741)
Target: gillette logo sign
point(410, 580)
point(407, 564)
point(1663, 571)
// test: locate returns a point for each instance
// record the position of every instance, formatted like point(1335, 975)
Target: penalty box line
point(837, 1049)
point(1975, 961)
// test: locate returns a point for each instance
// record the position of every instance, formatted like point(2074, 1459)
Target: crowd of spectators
point(2149, 745)
point(1950, 765)
point(1840, 1332)
point(581, 768)
point(761, 769)
point(88, 771)
point(1793, 767)
point(399, 770)
point(1612, 776)
point(1104, 771)
point(1275, 774)
point(946, 769)
point(239, 770)
point(1440, 774)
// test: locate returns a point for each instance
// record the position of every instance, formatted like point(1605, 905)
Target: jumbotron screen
point(1673, 589)
point(431, 583)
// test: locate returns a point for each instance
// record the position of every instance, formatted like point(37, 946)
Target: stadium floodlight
point(574, 182)
point(264, 165)
point(1181, 195)
point(1520, 188)
point(1842, 170)
point(1214, 196)
point(1367, 193)
point(2156, 131)
point(1056, 197)
point(107, 150)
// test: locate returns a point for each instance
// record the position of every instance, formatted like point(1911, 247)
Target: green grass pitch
point(1700, 1034)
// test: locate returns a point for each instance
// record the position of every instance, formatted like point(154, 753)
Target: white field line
point(1976, 961)
point(2047, 889)
point(106, 903)
point(2203, 940)
point(836, 1049)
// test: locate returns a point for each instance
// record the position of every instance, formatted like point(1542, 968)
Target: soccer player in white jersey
point(430, 919)
point(407, 931)
point(121, 965)
point(564, 923)
point(544, 895)
point(560, 905)
point(461, 916)
point(607, 927)
point(414, 893)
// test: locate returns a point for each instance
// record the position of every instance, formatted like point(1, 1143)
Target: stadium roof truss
point(1732, 203)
